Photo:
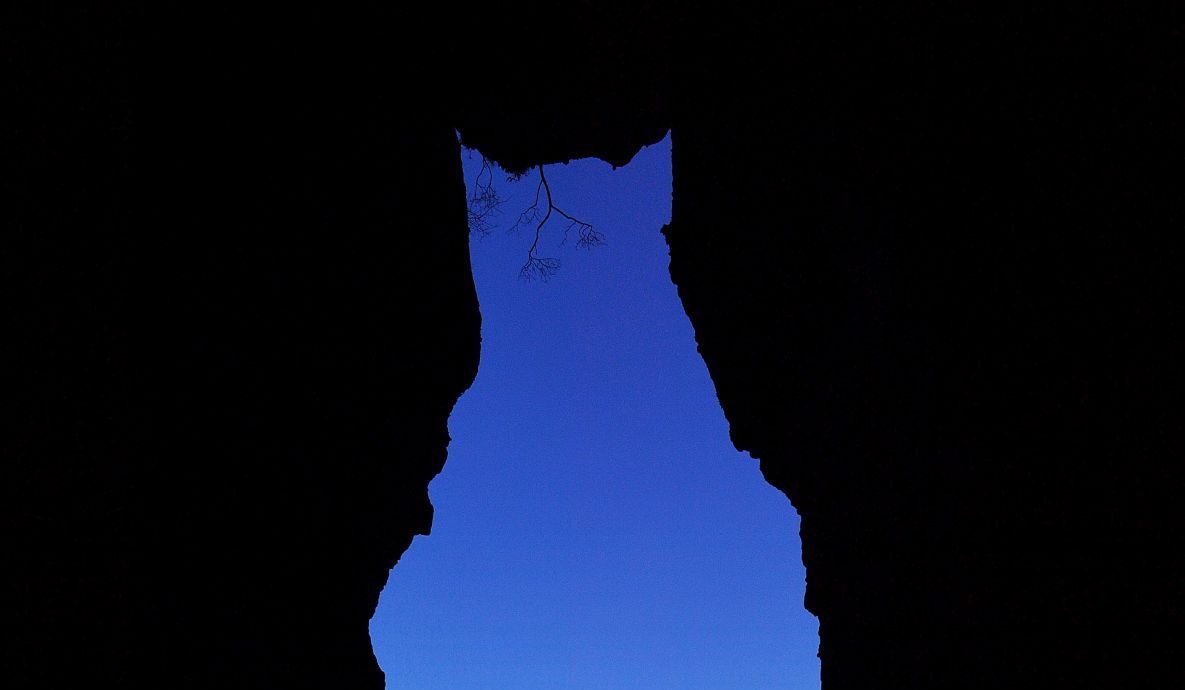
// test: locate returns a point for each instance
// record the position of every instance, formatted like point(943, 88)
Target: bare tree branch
point(543, 267)
point(485, 204)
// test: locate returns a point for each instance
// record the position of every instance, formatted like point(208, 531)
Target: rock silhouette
point(930, 255)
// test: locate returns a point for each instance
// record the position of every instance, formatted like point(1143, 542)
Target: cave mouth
point(594, 527)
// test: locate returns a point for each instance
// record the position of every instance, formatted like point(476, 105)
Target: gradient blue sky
point(594, 526)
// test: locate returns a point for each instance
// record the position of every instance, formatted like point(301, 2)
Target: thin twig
point(545, 267)
point(484, 202)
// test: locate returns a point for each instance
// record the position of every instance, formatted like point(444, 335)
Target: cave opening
point(594, 527)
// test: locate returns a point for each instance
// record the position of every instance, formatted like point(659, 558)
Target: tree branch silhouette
point(545, 267)
point(485, 203)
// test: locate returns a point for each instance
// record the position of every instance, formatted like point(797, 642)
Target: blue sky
point(594, 526)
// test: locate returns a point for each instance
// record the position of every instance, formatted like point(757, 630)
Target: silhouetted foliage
point(485, 203)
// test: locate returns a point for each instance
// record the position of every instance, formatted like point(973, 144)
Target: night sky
point(594, 526)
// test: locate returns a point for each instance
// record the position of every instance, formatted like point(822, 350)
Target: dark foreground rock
point(930, 256)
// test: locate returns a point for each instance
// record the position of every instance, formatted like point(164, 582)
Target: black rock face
point(930, 256)
point(242, 312)
point(929, 264)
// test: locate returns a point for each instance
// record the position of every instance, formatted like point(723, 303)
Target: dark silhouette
point(586, 236)
point(485, 203)
point(239, 311)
